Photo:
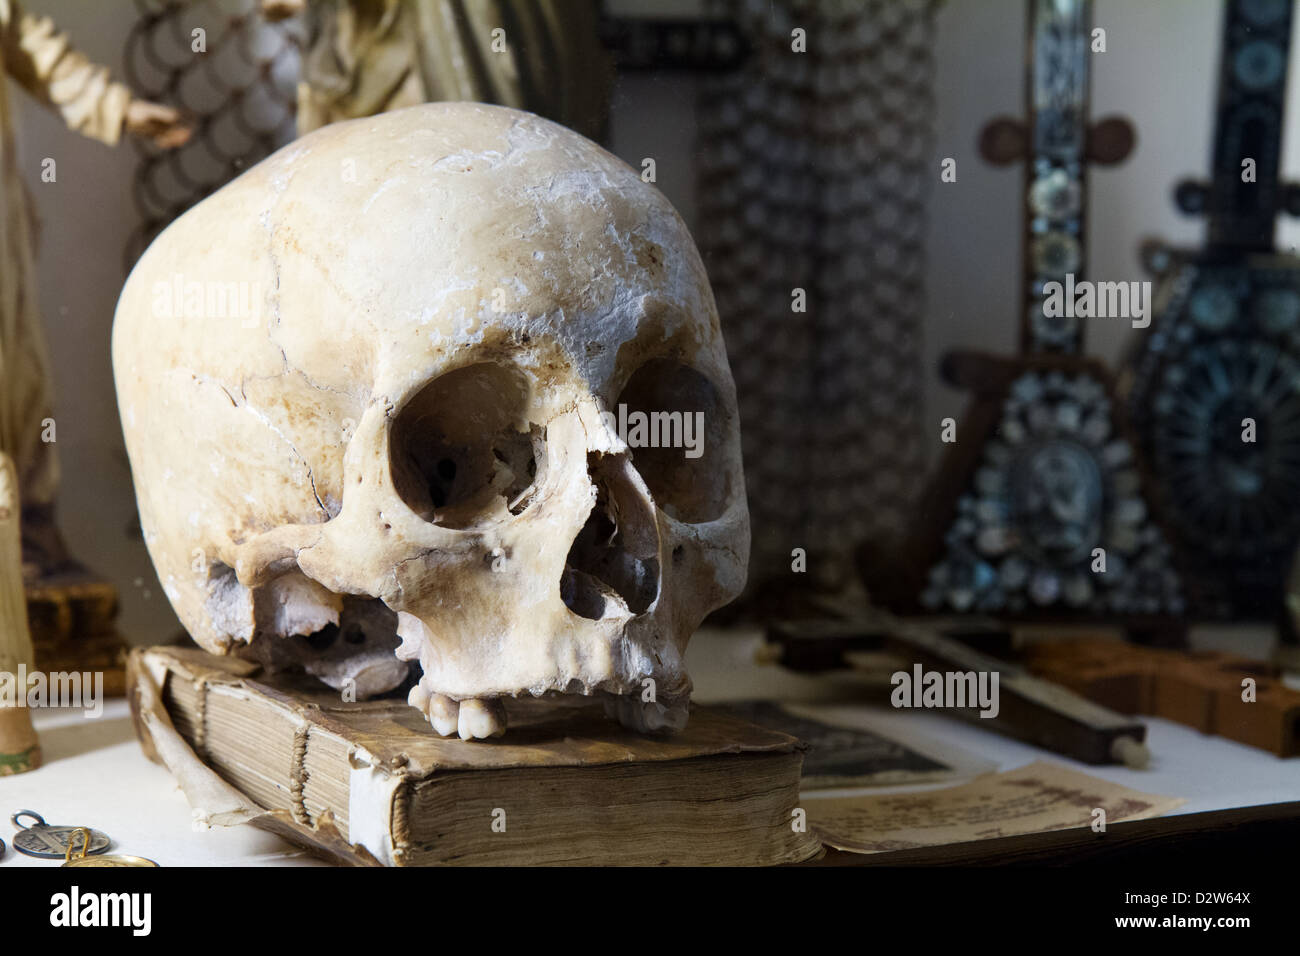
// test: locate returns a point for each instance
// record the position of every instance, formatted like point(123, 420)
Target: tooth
point(439, 709)
point(665, 715)
point(481, 717)
point(444, 714)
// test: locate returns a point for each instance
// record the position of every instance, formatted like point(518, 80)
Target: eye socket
point(676, 424)
point(463, 442)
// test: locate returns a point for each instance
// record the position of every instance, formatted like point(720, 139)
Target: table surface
point(96, 775)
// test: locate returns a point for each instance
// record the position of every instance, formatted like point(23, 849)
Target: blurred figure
point(36, 56)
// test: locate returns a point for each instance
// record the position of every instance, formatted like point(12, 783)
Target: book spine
point(298, 774)
point(400, 825)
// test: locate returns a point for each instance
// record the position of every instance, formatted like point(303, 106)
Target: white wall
point(1159, 70)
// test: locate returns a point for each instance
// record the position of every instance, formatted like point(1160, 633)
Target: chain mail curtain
point(812, 175)
point(241, 94)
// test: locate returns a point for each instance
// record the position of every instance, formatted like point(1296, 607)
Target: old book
point(368, 782)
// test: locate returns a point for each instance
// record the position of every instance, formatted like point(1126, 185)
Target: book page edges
point(216, 802)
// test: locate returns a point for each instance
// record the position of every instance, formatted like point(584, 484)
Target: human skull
point(376, 379)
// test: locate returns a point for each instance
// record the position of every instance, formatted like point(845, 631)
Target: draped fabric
point(370, 56)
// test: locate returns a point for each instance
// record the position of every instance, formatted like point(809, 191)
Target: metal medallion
point(82, 839)
point(1259, 65)
point(48, 842)
point(1054, 254)
point(110, 859)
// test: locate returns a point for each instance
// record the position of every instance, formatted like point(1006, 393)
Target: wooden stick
point(20, 750)
point(1031, 709)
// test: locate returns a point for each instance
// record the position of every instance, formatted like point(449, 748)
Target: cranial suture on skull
point(399, 456)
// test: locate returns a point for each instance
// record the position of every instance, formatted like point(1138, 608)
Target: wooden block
point(1132, 693)
point(105, 653)
point(1270, 722)
point(1101, 671)
point(1200, 689)
point(1182, 698)
point(70, 606)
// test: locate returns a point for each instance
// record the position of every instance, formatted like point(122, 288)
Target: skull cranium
point(382, 366)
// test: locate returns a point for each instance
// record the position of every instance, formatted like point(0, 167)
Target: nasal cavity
point(613, 561)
